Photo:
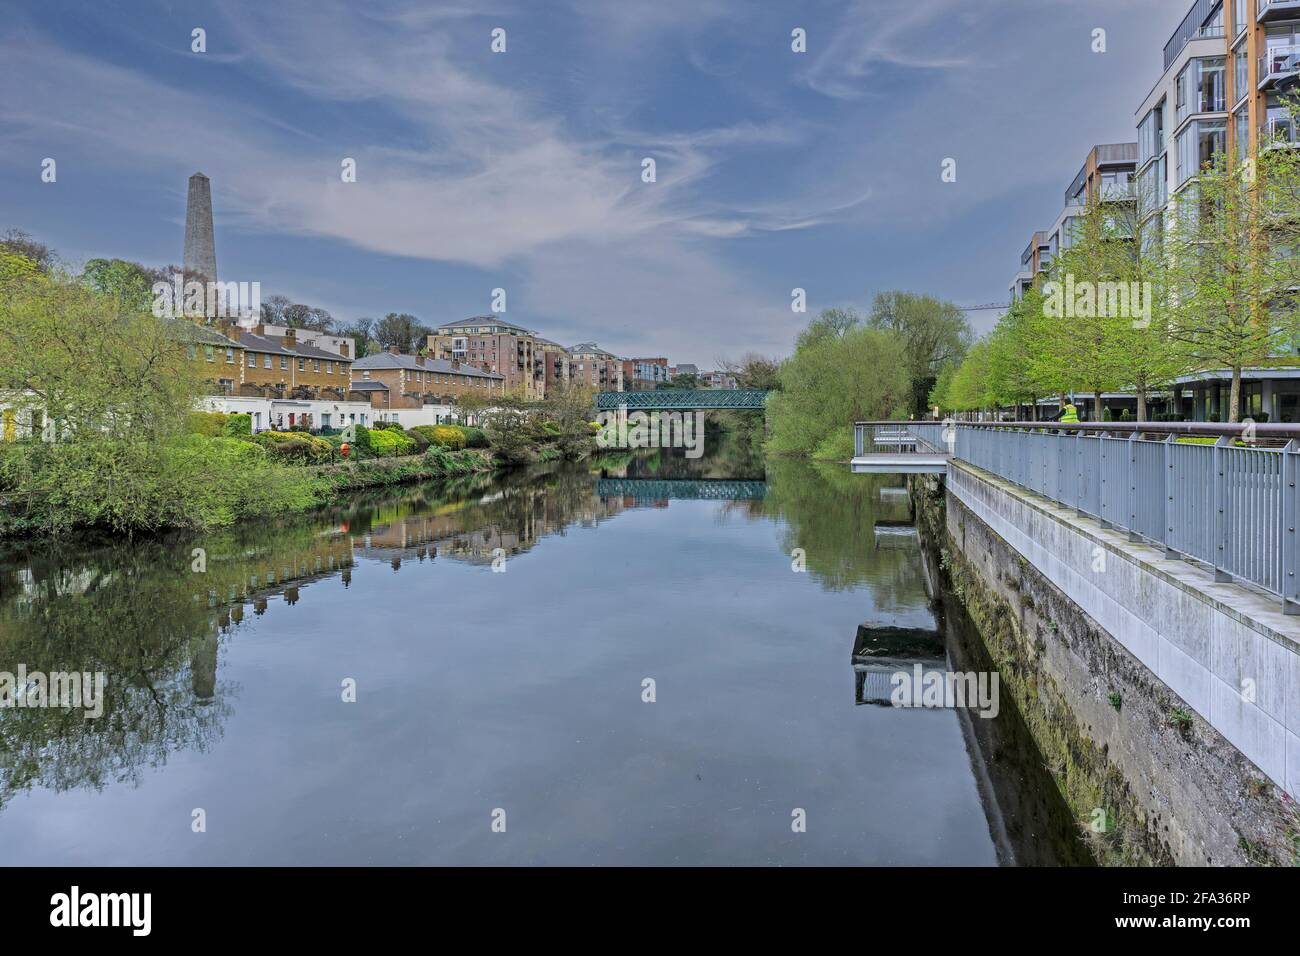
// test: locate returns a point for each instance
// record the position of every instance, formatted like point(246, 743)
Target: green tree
point(935, 334)
point(1231, 253)
point(840, 373)
point(1072, 334)
point(402, 330)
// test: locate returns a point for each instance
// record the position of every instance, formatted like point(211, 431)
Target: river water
point(639, 660)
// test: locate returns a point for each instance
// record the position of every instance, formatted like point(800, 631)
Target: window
point(1241, 84)
point(252, 360)
point(1213, 25)
point(230, 356)
point(284, 362)
point(192, 351)
point(329, 368)
point(1242, 15)
point(1212, 95)
point(210, 353)
point(266, 361)
point(315, 365)
point(1151, 134)
point(365, 375)
point(1199, 145)
point(1241, 133)
point(302, 365)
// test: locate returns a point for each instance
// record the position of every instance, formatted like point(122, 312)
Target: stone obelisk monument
point(200, 249)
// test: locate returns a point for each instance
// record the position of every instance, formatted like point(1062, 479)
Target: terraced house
point(393, 380)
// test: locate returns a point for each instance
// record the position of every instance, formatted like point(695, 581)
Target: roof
point(483, 320)
point(365, 386)
point(262, 343)
point(387, 360)
point(591, 348)
point(191, 332)
point(279, 346)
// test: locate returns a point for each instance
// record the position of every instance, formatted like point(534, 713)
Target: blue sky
point(522, 170)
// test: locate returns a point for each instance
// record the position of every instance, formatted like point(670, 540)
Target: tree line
point(847, 368)
point(1143, 295)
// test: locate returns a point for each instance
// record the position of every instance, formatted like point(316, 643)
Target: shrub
point(474, 437)
point(238, 425)
point(421, 440)
point(209, 424)
point(446, 436)
point(295, 446)
point(837, 446)
point(361, 441)
point(387, 426)
point(387, 443)
point(139, 484)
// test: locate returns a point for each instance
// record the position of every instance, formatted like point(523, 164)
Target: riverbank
point(1148, 781)
point(316, 486)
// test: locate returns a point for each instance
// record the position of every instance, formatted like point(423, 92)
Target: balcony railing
point(1277, 62)
point(1277, 9)
point(1278, 131)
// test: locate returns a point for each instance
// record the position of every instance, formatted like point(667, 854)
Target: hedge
point(295, 446)
point(386, 442)
point(443, 436)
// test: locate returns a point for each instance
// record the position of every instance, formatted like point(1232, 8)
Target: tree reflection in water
point(136, 610)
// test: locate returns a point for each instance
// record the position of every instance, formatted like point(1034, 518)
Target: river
point(638, 660)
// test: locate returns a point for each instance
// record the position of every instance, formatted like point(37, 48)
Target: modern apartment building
point(493, 345)
point(644, 374)
point(595, 368)
point(1107, 176)
point(550, 365)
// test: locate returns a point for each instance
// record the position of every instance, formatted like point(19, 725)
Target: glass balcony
point(1278, 62)
point(1278, 130)
point(1277, 9)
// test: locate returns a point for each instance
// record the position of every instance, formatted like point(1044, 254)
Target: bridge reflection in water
point(701, 489)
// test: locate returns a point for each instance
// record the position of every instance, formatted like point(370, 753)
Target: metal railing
point(1230, 503)
point(1278, 61)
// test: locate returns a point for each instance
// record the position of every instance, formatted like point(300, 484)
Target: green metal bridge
point(672, 399)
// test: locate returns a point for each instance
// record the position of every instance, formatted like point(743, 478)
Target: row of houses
point(1225, 70)
point(283, 376)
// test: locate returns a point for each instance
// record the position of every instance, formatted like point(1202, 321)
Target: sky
point(523, 170)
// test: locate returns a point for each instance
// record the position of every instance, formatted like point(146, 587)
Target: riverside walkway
point(1223, 495)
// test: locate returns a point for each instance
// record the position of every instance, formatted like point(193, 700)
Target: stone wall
point(1148, 777)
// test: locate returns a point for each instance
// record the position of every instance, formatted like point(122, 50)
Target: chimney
point(343, 349)
point(393, 350)
point(290, 339)
point(455, 364)
point(259, 329)
point(419, 359)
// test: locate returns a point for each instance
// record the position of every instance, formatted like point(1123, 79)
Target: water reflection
point(154, 614)
point(699, 593)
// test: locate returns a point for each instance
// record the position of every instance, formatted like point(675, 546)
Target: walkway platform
point(895, 448)
point(900, 463)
